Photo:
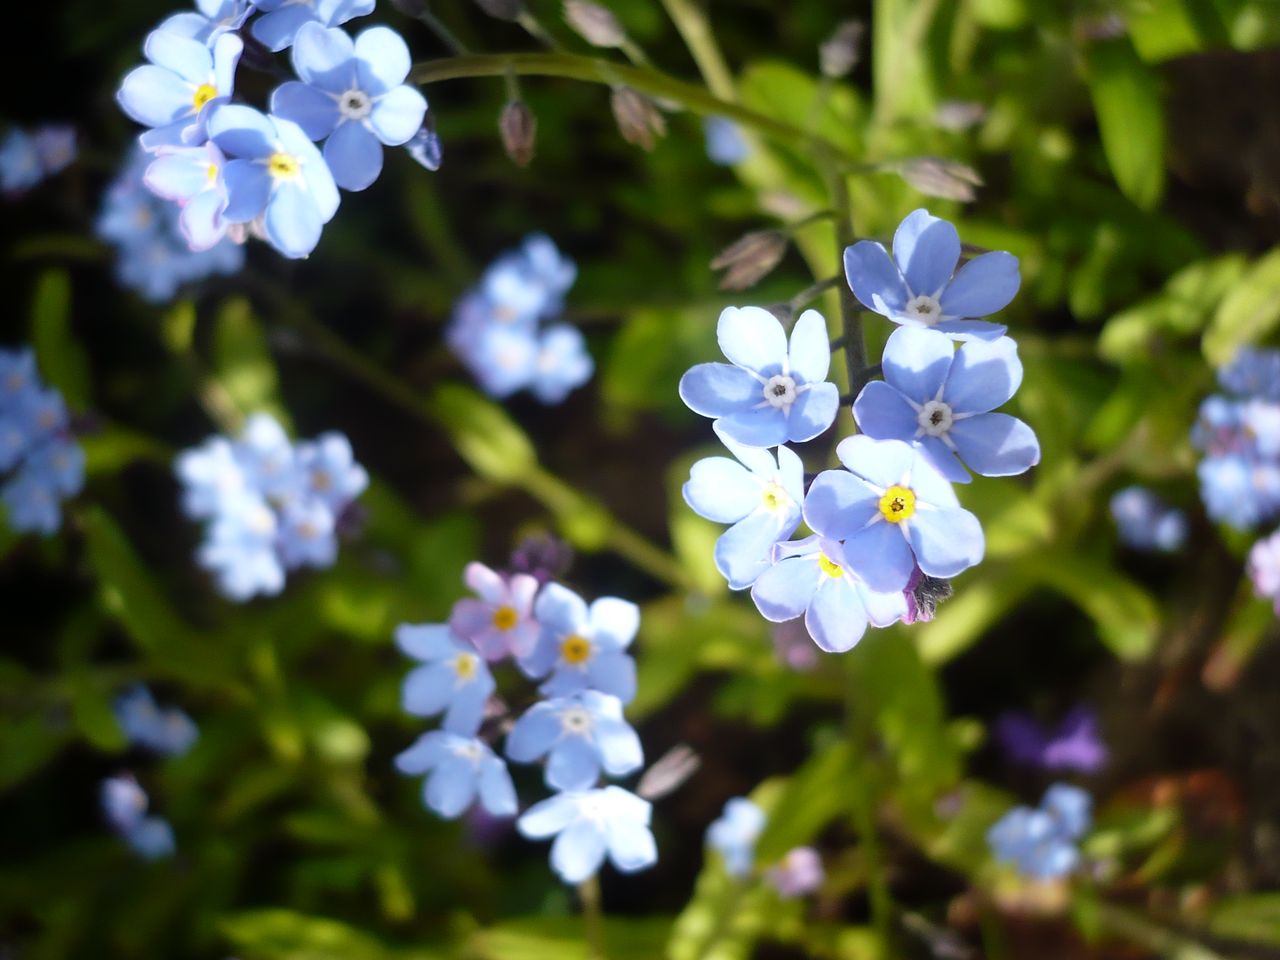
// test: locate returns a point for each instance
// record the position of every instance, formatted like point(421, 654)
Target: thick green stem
point(694, 27)
point(592, 917)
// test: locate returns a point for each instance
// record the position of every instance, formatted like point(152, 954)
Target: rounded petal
point(292, 222)
point(226, 57)
point(560, 610)
point(427, 751)
point(791, 471)
point(548, 817)
point(881, 556)
point(631, 845)
point(965, 330)
point(485, 583)
point(930, 485)
point(945, 542)
point(752, 337)
point(466, 711)
point(722, 490)
point(277, 29)
point(926, 249)
point(497, 792)
point(742, 552)
point(154, 96)
point(427, 689)
point(810, 348)
point(614, 622)
point(813, 412)
point(354, 156)
point(613, 673)
point(426, 641)
point(996, 444)
point(840, 504)
point(179, 175)
point(578, 852)
point(383, 59)
point(983, 286)
point(943, 459)
point(397, 115)
point(766, 427)
point(202, 221)
point(620, 750)
point(324, 57)
point(187, 58)
point(883, 608)
point(883, 413)
point(533, 734)
point(719, 389)
point(451, 788)
point(985, 375)
point(881, 462)
point(242, 132)
point(836, 619)
point(306, 106)
point(874, 279)
point(916, 362)
point(573, 764)
point(784, 591)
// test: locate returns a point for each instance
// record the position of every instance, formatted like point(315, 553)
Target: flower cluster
point(1264, 568)
point(495, 330)
point(36, 446)
point(233, 170)
point(1072, 745)
point(124, 804)
point(734, 836)
point(888, 528)
point(578, 654)
point(26, 159)
point(270, 505)
point(1041, 843)
point(168, 731)
point(1145, 522)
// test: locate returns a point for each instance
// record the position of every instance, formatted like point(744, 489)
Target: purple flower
point(1074, 745)
point(501, 622)
point(799, 873)
point(1264, 569)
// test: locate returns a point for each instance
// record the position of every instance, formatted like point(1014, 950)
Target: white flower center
point(780, 391)
point(774, 497)
point(935, 418)
point(471, 750)
point(354, 105)
point(576, 720)
point(925, 309)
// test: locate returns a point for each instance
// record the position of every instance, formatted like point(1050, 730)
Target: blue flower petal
point(226, 57)
point(178, 175)
point(631, 845)
point(766, 427)
point(996, 444)
point(354, 155)
point(306, 106)
point(874, 279)
point(427, 689)
point(497, 792)
point(154, 97)
point(451, 788)
point(578, 852)
point(324, 57)
point(984, 376)
point(881, 555)
point(943, 459)
point(383, 60)
point(620, 750)
point(883, 608)
point(573, 764)
point(810, 348)
point(614, 673)
point(813, 412)
point(242, 132)
point(276, 30)
point(466, 710)
point(721, 489)
point(398, 115)
point(929, 485)
point(946, 542)
point(187, 58)
point(752, 337)
point(426, 641)
point(840, 504)
point(425, 752)
point(926, 249)
point(533, 734)
point(784, 591)
point(883, 412)
point(983, 286)
point(742, 551)
point(614, 622)
point(881, 462)
point(292, 223)
point(916, 361)
point(970, 329)
point(560, 610)
point(548, 817)
point(719, 389)
point(791, 472)
point(202, 221)
point(836, 619)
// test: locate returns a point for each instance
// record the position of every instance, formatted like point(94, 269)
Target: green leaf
point(242, 362)
point(27, 744)
point(1248, 313)
point(62, 360)
point(1130, 118)
point(562, 938)
point(288, 935)
point(1126, 615)
point(91, 709)
point(1254, 918)
point(812, 797)
point(491, 442)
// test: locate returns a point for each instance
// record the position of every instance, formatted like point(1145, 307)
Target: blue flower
point(169, 732)
point(941, 399)
point(353, 93)
point(282, 19)
point(590, 824)
point(894, 512)
point(760, 496)
point(583, 648)
point(277, 174)
point(240, 549)
point(425, 147)
point(329, 470)
point(1041, 843)
point(1239, 490)
point(56, 146)
point(770, 393)
point(1145, 522)
point(176, 92)
point(501, 622)
point(210, 20)
point(193, 178)
point(562, 364)
point(917, 287)
point(124, 804)
point(1264, 569)
point(813, 578)
point(579, 735)
point(20, 167)
point(461, 769)
point(735, 833)
point(1253, 372)
point(724, 141)
point(307, 534)
point(454, 678)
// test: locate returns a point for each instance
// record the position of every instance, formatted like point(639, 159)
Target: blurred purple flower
point(1073, 745)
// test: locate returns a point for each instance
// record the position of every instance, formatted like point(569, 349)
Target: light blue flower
point(1145, 522)
point(760, 495)
point(180, 88)
point(1070, 807)
point(583, 648)
point(282, 19)
point(920, 286)
point(1261, 421)
point(724, 141)
point(770, 393)
point(1253, 372)
point(588, 826)
point(354, 94)
point(894, 512)
point(193, 178)
point(20, 167)
point(814, 579)
point(562, 364)
point(240, 549)
point(31, 506)
point(1041, 843)
point(530, 282)
point(329, 470)
point(580, 735)
point(1239, 490)
point(454, 679)
point(735, 833)
point(460, 771)
point(124, 804)
point(277, 174)
point(941, 399)
point(307, 534)
point(169, 732)
point(55, 144)
point(210, 20)
point(1264, 569)
point(266, 455)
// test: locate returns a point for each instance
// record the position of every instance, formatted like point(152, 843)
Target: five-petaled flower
point(178, 91)
point(588, 825)
point(460, 770)
point(583, 648)
point(580, 735)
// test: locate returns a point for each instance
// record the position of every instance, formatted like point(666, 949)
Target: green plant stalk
point(592, 917)
point(855, 347)
point(694, 27)
point(858, 721)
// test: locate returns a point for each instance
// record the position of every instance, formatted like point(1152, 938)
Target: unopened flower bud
point(425, 146)
point(519, 129)
point(542, 556)
point(959, 115)
point(748, 259)
point(595, 24)
point(841, 53)
point(935, 177)
point(502, 9)
point(669, 772)
point(639, 120)
point(924, 593)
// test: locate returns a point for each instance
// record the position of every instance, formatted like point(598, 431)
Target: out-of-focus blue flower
point(20, 167)
point(124, 804)
point(1239, 490)
point(1145, 522)
point(724, 141)
point(56, 146)
point(771, 392)
point(281, 20)
point(1261, 421)
point(276, 174)
point(1264, 569)
point(759, 495)
point(812, 578)
point(1041, 843)
point(562, 364)
point(941, 399)
point(894, 512)
point(580, 735)
point(798, 874)
point(176, 92)
point(590, 825)
point(460, 771)
point(1073, 745)
point(353, 93)
point(583, 648)
point(920, 285)
point(329, 469)
point(454, 678)
point(501, 623)
point(239, 549)
point(1253, 372)
point(735, 833)
point(192, 177)
point(210, 20)
point(169, 732)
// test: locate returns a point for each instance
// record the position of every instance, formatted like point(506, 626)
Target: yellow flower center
point(829, 566)
point(504, 618)
point(464, 665)
point(774, 497)
point(211, 172)
point(575, 649)
point(897, 504)
point(284, 165)
point(204, 93)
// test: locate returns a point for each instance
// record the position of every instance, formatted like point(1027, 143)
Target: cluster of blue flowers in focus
point(1145, 522)
point(888, 528)
point(734, 836)
point(234, 171)
point(27, 159)
point(164, 731)
point(37, 449)
point(1042, 843)
point(497, 332)
point(124, 804)
point(577, 653)
point(269, 505)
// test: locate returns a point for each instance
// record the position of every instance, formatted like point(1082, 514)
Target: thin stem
point(446, 36)
point(592, 917)
point(533, 26)
point(855, 347)
point(859, 724)
point(694, 27)
point(805, 221)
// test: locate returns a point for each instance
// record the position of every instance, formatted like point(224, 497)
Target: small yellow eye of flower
point(829, 566)
point(464, 665)
point(283, 165)
point(897, 504)
point(211, 172)
point(774, 497)
point(575, 649)
point(504, 618)
point(204, 93)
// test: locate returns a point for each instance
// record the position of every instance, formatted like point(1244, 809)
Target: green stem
point(533, 26)
point(855, 347)
point(694, 27)
point(859, 722)
point(812, 293)
point(592, 917)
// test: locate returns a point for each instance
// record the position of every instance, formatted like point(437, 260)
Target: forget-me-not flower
point(501, 622)
point(461, 769)
point(771, 392)
point(168, 731)
point(588, 826)
point(941, 398)
point(1264, 569)
point(176, 92)
point(124, 804)
point(20, 167)
point(454, 678)
point(1041, 842)
point(1074, 744)
point(725, 144)
point(920, 285)
point(193, 178)
point(561, 365)
point(353, 93)
point(210, 20)
point(1145, 522)
point(580, 735)
point(1252, 372)
point(56, 146)
point(735, 833)
point(583, 647)
point(280, 20)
